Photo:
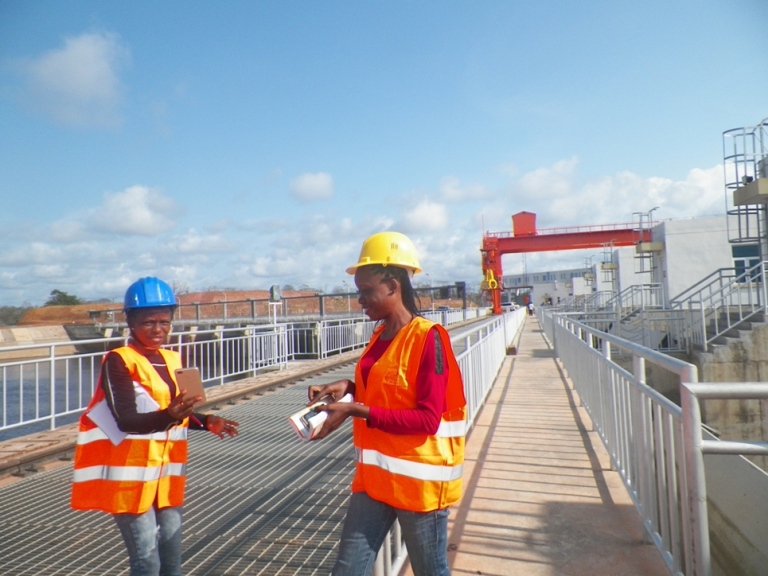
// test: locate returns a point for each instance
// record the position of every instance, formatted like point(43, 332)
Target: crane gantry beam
point(526, 238)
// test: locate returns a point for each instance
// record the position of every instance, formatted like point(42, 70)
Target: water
point(27, 391)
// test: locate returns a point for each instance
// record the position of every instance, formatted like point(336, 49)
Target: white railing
point(227, 354)
point(637, 297)
point(719, 303)
point(658, 447)
point(696, 445)
point(641, 430)
point(48, 385)
point(52, 383)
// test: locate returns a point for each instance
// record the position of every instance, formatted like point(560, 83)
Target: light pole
point(224, 305)
point(349, 305)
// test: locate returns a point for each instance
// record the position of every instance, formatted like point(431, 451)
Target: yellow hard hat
point(388, 249)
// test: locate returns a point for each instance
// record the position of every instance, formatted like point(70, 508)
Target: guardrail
point(642, 432)
point(696, 446)
point(719, 303)
point(656, 446)
point(50, 384)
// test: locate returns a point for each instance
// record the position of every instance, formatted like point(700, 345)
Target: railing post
point(320, 338)
point(52, 394)
point(696, 483)
point(222, 357)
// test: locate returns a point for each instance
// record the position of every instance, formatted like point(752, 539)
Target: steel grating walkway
point(262, 503)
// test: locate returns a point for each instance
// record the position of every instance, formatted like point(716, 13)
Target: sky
point(242, 144)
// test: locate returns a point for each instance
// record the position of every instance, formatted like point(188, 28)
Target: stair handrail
point(598, 300)
point(721, 276)
point(728, 297)
point(634, 298)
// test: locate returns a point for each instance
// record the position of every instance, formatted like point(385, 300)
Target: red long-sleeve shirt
point(431, 385)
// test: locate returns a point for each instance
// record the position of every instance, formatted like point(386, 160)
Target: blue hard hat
point(149, 292)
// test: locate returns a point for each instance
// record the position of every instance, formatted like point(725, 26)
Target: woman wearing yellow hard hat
point(409, 418)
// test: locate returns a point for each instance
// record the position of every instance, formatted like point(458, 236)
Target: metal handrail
point(50, 384)
point(736, 297)
point(641, 430)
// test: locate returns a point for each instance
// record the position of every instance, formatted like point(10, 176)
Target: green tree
point(60, 298)
point(10, 315)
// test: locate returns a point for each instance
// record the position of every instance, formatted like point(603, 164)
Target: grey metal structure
point(265, 502)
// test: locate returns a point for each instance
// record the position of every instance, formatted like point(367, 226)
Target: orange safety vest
point(417, 472)
point(142, 468)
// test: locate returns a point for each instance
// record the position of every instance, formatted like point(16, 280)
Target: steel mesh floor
point(262, 503)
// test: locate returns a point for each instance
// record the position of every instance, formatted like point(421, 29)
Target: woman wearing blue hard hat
point(131, 453)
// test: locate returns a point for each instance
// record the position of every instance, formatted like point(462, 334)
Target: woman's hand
point(221, 426)
point(181, 407)
point(336, 389)
point(337, 412)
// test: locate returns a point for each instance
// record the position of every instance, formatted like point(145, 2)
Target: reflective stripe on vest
point(175, 433)
point(129, 473)
point(417, 470)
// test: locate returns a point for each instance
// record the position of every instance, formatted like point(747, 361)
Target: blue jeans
point(153, 540)
point(366, 526)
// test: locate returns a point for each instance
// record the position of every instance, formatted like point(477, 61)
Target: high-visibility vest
point(142, 468)
point(417, 472)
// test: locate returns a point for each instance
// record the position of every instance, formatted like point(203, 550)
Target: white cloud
point(78, 84)
point(273, 267)
point(427, 216)
point(192, 242)
point(98, 253)
point(451, 190)
point(137, 210)
point(557, 197)
point(312, 186)
point(50, 271)
point(555, 181)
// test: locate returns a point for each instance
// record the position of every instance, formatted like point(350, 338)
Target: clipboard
point(189, 379)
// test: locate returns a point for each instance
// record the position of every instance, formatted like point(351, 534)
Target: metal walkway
point(262, 503)
point(540, 498)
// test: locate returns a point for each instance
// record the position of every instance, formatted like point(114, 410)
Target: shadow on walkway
point(539, 495)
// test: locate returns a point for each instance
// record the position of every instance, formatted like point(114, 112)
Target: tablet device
point(189, 379)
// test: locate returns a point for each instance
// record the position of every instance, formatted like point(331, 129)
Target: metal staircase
point(720, 304)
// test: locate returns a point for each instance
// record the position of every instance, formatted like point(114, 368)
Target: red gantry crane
point(525, 238)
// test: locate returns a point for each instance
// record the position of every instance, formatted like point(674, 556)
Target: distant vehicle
point(442, 308)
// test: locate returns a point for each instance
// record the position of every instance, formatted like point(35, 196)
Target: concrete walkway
point(540, 498)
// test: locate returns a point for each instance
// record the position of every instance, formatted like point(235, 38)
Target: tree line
point(10, 315)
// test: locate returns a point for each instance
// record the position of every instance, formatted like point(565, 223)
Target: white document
point(102, 416)
point(144, 402)
point(307, 422)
